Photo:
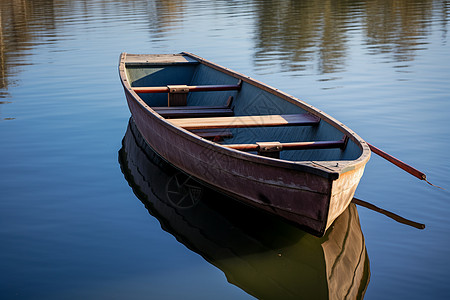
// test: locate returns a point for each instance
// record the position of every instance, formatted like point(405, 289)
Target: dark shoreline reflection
point(316, 36)
point(22, 26)
point(301, 36)
point(259, 253)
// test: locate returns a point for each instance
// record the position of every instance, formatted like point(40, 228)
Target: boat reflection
point(258, 252)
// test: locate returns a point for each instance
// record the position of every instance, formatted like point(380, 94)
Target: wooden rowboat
point(244, 138)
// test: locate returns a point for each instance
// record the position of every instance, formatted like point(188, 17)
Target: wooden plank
point(161, 59)
point(184, 111)
point(213, 133)
point(177, 99)
point(193, 107)
point(196, 107)
point(195, 113)
point(177, 95)
point(230, 101)
point(246, 121)
point(192, 88)
point(291, 146)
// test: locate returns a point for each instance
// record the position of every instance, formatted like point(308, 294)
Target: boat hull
point(302, 193)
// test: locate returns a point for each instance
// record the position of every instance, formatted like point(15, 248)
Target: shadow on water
point(259, 253)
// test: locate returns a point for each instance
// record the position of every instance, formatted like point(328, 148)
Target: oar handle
point(411, 170)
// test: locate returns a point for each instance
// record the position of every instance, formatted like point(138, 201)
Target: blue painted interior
point(250, 100)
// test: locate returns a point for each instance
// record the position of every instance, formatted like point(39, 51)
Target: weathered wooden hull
point(311, 194)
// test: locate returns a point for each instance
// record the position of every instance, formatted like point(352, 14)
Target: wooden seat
point(196, 111)
point(174, 108)
point(246, 121)
point(213, 134)
point(186, 88)
point(177, 94)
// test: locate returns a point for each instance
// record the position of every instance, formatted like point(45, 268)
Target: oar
point(411, 170)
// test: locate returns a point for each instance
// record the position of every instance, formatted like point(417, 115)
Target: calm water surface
point(75, 222)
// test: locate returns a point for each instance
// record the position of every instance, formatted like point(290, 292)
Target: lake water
point(79, 210)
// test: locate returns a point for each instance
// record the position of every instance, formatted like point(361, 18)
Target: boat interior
point(218, 106)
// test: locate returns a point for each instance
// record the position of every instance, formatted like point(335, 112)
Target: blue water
point(71, 226)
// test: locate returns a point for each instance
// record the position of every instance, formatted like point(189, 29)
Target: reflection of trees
point(165, 16)
point(27, 23)
point(298, 32)
point(444, 18)
point(397, 27)
point(291, 35)
point(21, 22)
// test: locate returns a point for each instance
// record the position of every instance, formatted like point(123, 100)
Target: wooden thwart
point(188, 88)
point(175, 108)
point(217, 134)
point(246, 121)
point(177, 94)
point(194, 113)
